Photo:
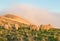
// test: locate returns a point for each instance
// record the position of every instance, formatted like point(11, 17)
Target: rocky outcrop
point(41, 27)
point(45, 27)
point(16, 26)
point(6, 26)
point(34, 27)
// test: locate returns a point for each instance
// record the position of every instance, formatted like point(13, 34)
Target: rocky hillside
point(13, 28)
point(26, 34)
point(8, 20)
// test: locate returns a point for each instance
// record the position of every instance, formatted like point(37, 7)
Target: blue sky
point(51, 5)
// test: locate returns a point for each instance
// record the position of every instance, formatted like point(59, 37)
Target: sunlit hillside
point(13, 28)
point(16, 18)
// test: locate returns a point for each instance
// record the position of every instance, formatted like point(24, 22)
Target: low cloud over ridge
point(33, 14)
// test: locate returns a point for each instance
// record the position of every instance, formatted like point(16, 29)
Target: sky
point(35, 11)
point(51, 5)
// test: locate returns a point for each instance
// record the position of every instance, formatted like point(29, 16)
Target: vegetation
point(25, 34)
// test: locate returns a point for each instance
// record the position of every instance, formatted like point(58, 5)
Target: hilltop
point(17, 18)
point(13, 18)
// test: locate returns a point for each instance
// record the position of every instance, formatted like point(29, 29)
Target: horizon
point(35, 11)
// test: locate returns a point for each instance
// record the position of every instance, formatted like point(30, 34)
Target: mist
point(33, 14)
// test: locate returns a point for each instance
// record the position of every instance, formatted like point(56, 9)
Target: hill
point(16, 18)
point(21, 30)
point(25, 34)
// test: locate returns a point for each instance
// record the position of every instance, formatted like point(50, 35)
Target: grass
point(25, 34)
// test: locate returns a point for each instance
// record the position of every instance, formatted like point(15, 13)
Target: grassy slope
point(25, 34)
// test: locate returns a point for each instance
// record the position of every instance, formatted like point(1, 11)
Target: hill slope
point(24, 33)
point(17, 18)
point(13, 18)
